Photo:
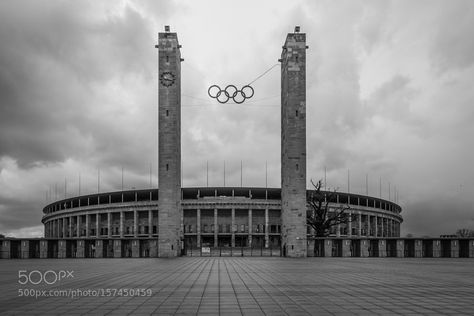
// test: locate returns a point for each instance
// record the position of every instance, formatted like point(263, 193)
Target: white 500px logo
point(48, 277)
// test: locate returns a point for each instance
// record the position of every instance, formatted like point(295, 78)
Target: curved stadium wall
point(214, 217)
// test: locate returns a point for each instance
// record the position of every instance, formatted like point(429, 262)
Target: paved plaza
point(238, 286)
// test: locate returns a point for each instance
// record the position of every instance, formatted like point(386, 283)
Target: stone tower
point(169, 144)
point(293, 144)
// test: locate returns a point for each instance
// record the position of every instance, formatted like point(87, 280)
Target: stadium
point(223, 217)
point(172, 221)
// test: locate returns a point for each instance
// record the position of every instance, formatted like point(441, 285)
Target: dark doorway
point(427, 248)
point(446, 248)
point(409, 248)
point(355, 248)
point(337, 248)
point(374, 248)
point(464, 248)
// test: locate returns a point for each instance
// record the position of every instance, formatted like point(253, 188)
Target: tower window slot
point(167, 58)
point(167, 167)
point(167, 113)
point(297, 167)
point(296, 113)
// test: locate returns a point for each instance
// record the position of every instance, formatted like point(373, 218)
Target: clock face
point(167, 78)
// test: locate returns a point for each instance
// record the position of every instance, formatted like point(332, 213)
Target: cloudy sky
point(389, 97)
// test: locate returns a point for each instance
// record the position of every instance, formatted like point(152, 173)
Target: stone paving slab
point(239, 286)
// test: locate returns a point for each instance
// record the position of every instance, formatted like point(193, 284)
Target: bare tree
point(320, 216)
point(464, 232)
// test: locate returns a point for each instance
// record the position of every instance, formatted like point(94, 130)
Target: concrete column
point(135, 223)
point(117, 248)
point(87, 225)
point(233, 228)
point(359, 229)
point(400, 248)
point(97, 224)
point(198, 228)
point(375, 224)
point(250, 227)
point(216, 230)
point(328, 248)
point(349, 225)
point(418, 248)
point(382, 226)
point(78, 226)
point(121, 224)
point(63, 227)
point(150, 223)
point(136, 248)
point(109, 224)
point(346, 248)
point(266, 228)
point(338, 230)
point(70, 227)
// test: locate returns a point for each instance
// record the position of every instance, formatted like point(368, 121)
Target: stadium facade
point(171, 221)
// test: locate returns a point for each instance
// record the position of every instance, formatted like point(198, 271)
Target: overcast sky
point(389, 96)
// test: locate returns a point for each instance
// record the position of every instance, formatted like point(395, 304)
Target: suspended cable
point(264, 73)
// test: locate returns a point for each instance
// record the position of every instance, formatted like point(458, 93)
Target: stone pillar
point(71, 233)
point(78, 226)
point(418, 248)
point(382, 226)
point(169, 145)
point(233, 227)
point(80, 249)
point(364, 248)
point(376, 227)
point(97, 224)
point(400, 248)
point(216, 229)
point(338, 230)
point(198, 228)
point(454, 248)
point(153, 248)
point(25, 249)
point(43, 249)
point(359, 228)
point(87, 226)
point(349, 225)
point(293, 145)
point(117, 248)
point(5, 249)
point(121, 224)
point(436, 248)
point(346, 248)
point(135, 248)
point(382, 248)
point(63, 222)
point(328, 248)
point(109, 225)
point(250, 228)
point(62, 245)
point(150, 223)
point(135, 224)
point(266, 228)
point(99, 249)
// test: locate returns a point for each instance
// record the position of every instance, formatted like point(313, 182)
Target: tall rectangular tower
point(169, 144)
point(293, 144)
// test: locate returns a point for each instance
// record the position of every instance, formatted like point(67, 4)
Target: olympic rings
point(230, 92)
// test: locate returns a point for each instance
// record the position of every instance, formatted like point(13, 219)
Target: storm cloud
point(389, 98)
